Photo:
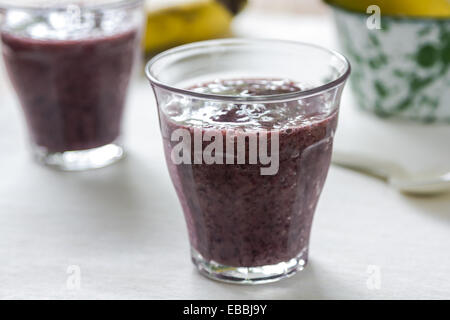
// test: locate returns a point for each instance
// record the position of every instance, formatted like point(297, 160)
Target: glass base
point(80, 160)
point(249, 275)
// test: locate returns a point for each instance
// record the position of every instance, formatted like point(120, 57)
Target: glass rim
point(265, 98)
point(103, 4)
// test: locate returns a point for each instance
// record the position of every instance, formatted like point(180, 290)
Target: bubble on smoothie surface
point(72, 22)
point(246, 116)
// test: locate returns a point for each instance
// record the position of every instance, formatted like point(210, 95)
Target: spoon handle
point(367, 164)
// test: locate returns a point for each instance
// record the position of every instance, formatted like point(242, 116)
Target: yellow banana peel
point(195, 21)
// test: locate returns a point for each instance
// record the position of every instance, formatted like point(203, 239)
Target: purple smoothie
point(72, 91)
point(236, 216)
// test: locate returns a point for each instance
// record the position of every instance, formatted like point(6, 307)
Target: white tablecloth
point(123, 229)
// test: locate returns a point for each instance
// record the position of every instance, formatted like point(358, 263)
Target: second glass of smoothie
point(248, 129)
point(70, 63)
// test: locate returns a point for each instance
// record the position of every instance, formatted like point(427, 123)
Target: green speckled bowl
point(401, 70)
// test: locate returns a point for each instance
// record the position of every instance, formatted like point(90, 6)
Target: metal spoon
point(394, 175)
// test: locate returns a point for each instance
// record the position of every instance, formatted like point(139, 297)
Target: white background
point(124, 228)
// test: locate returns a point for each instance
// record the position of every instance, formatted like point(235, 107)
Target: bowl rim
point(410, 18)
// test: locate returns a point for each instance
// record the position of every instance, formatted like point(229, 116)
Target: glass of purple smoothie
point(248, 129)
point(70, 63)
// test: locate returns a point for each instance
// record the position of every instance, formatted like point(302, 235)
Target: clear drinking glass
point(70, 63)
point(248, 128)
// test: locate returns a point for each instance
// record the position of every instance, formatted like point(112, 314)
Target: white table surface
point(123, 226)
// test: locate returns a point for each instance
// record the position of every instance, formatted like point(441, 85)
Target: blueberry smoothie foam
point(72, 83)
point(235, 216)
